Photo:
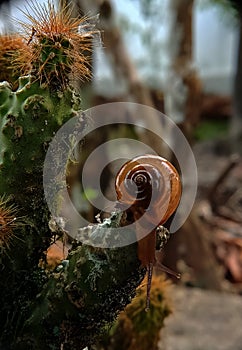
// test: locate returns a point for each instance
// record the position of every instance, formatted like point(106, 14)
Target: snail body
point(149, 188)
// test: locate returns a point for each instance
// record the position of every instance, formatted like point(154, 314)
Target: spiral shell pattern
point(150, 182)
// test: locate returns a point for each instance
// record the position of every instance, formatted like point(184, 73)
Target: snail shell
point(148, 185)
point(152, 183)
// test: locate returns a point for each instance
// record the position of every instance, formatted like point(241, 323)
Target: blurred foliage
point(232, 5)
point(211, 129)
point(229, 8)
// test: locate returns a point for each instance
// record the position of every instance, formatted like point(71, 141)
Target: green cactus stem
point(30, 117)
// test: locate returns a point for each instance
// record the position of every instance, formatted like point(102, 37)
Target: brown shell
point(159, 192)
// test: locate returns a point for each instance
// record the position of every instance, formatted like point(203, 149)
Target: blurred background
point(184, 58)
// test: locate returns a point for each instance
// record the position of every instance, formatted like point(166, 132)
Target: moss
point(136, 328)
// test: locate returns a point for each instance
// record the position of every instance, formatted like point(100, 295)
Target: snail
point(148, 188)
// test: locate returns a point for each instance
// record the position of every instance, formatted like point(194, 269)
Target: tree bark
point(236, 125)
point(183, 92)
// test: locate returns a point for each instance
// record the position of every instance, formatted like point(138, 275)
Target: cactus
point(82, 296)
point(66, 307)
